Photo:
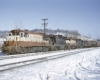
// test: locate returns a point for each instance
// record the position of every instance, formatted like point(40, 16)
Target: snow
point(83, 66)
point(35, 57)
point(15, 60)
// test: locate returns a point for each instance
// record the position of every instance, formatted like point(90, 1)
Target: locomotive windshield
point(15, 33)
point(26, 34)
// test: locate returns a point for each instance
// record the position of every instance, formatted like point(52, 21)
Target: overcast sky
point(81, 15)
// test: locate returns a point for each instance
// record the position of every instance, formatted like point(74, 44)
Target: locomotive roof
point(26, 31)
point(70, 38)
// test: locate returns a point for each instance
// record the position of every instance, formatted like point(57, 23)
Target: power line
point(44, 24)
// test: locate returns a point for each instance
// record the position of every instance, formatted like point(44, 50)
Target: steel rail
point(12, 65)
point(30, 54)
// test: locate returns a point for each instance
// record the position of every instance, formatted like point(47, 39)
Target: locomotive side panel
point(98, 43)
point(60, 42)
point(71, 43)
point(18, 39)
point(79, 43)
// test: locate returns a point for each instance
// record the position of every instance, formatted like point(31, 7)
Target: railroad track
point(14, 61)
point(31, 54)
point(27, 54)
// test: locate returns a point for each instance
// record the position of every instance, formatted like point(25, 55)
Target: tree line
point(48, 31)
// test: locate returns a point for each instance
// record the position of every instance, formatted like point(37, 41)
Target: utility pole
point(44, 24)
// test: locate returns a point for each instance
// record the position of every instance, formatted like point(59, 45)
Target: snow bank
point(83, 66)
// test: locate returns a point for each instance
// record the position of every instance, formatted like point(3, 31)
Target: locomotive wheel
point(13, 50)
point(27, 50)
point(3, 49)
point(22, 50)
point(45, 49)
point(65, 47)
point(56, 48)
point(49, 48)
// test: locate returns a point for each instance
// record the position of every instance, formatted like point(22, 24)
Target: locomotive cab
point(56, 41)
point(60, 42)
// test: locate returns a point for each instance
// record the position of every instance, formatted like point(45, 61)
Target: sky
point(80, 15)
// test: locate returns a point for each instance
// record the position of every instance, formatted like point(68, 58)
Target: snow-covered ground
point(82, 66)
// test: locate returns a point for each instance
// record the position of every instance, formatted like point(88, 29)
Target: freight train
point(23, 41)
